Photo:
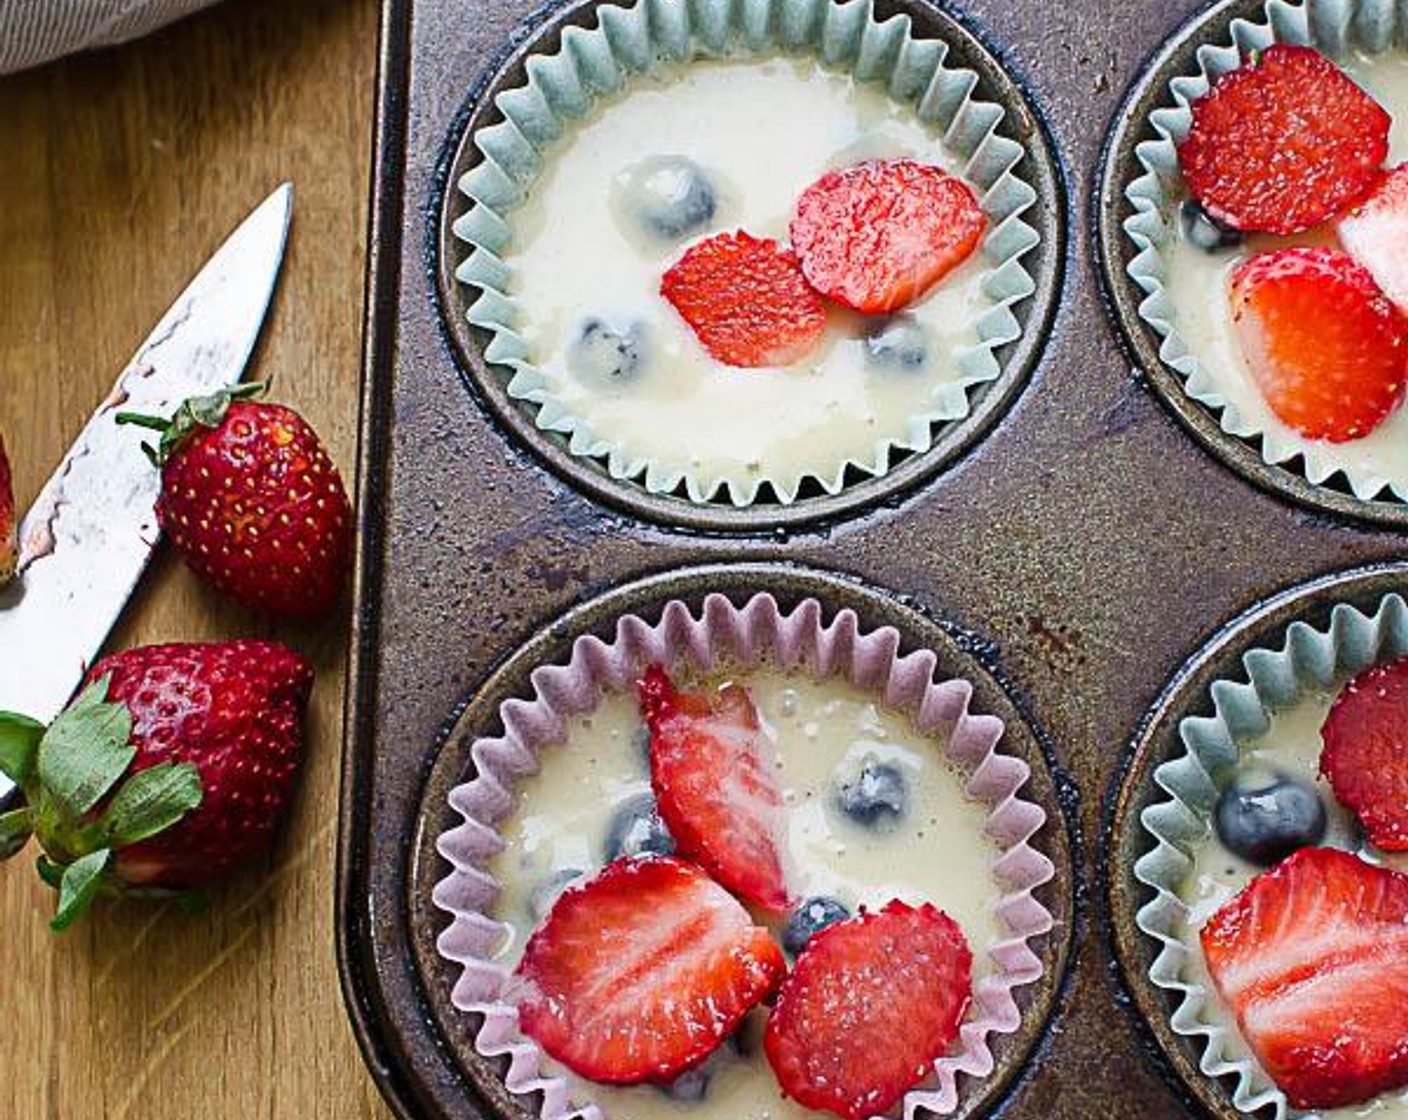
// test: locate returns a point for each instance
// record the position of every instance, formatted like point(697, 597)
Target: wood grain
point(122, 172)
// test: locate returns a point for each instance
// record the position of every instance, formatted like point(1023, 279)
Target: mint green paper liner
point(1307, 661)
point(1333, 27)
point(630, 40)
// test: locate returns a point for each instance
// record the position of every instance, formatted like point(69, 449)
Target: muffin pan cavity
point(1167, 293)
point(619, 408)
point(761, 620)
point(1252, 699)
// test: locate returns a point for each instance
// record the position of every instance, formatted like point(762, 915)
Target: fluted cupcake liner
point(628, 41)
point(804, 640)
point(1307, 662)
point(1334, 27)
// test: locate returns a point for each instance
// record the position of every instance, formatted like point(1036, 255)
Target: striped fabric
point(34, 31)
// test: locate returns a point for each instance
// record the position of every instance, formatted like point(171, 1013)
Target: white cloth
point(34, 31)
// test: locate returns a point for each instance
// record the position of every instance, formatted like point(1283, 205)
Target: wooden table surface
point(122, 172)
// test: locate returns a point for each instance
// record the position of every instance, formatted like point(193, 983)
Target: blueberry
point(877, 795)
point(603, 355)
point(692, 1085)
point(897, 344)
point(546, 893)
point(637, 830)
point(666, 197)
point(641, 743)
point(1205, 231)
point(810, 918)
point(1265, 817)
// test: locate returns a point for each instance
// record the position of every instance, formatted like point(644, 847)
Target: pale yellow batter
point(764, 131)
point(938, 852)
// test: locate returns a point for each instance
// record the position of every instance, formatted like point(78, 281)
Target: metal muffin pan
point(542, 35)
point(1085, 545)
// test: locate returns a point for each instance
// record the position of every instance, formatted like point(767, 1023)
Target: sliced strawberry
point(8, 547)
point(878, 235)
point(1366, 752)
point(640, 973)
point(1376, 234)
point(1313, 958)
point(746, 300)
point(869, 1006)
point(711, 768)
point(1323, 343)
point(1283, 143)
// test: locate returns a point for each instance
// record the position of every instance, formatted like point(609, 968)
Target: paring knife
point(91, 531)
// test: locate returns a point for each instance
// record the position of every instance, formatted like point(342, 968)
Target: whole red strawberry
point(8, 528)
point(253, 504)
point(170, 770)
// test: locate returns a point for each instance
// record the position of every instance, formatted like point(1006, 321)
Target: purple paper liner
point(799, 639)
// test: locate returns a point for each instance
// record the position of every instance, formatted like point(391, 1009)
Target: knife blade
point(89, 535)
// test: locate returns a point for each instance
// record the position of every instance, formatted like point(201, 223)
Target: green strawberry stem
point(142, 420)
point(190, 416)
point(81, 802)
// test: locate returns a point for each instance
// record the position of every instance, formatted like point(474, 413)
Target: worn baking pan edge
point(400, 1075)
point(352, 917)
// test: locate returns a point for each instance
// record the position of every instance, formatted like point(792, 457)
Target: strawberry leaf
point(16, 826)
point(86, 750)
point(79, 887)
point(19, 744)
point(209, 411)
point(49, 871)
point(151, 801)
